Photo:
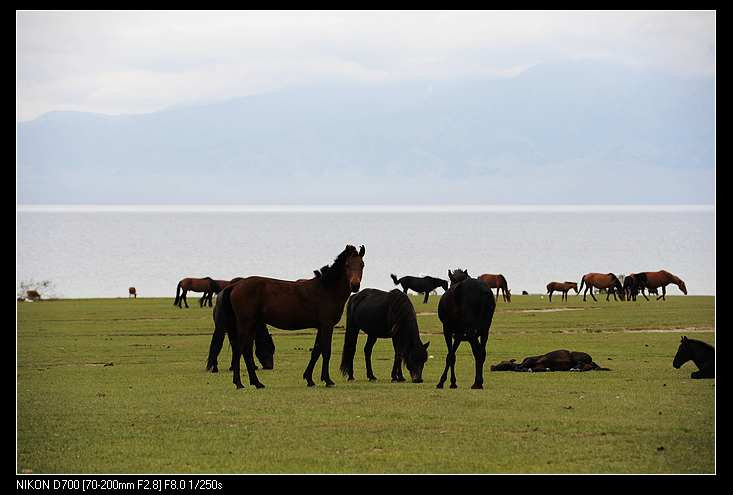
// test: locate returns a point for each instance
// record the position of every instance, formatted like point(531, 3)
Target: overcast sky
point(121, 62)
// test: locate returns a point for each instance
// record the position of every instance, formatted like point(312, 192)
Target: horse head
point(682, 287)
point(415, 360)
point(457, 276)
point(504, 366)
point(683, 354)
point(354, 268)
point(265, 349)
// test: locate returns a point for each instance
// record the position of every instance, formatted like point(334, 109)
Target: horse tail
point(598, 368)
point(394, 279)
point(223, 323)
point(178, 294)
point(582, 281)
point(352, 333)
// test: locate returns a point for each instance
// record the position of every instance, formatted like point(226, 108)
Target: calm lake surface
point(88, 252)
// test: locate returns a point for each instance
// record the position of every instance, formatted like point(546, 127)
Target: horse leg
point(397, 375)
point(456, 343)
point(644, 294)
point(211, 294)
point(426, 297)
point(479, 356)
point(247, 348)
point(371, 340)
point(550, 295)
point(585, 292)
point(183, 296)
point(448, 344)
point(326, 335)
point(591, 294)
point(664, 293)
point(315, 354)
point(235, 339)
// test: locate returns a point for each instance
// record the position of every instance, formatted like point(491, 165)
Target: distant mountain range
point(566, 133)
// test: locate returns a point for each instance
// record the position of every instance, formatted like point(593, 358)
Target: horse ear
point(684, 339)
point(425, 345)
point(361, 250)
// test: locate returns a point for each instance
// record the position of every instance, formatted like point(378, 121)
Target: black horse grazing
point(264, 347)
point(421, 285)
point(560, 360)
point(466, 311)
point(383, 314)
point(702, 354)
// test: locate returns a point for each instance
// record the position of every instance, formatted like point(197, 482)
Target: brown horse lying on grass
point(602, 281)
point(560, 360)
point(563, 287)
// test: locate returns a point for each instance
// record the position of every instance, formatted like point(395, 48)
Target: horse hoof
point(311, 383)
point(453, 385)
point(215, 370)
point(476, 386)
point(440, 385)
point(240, 386)
point(259, 385)
point(373, 379)
point(350, 379)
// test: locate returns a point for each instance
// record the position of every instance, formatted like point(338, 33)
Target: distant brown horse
point(205, 285)
point(133, 292)
point(313, 303)
point(653, 280)
point(217, 287)
point(563, 287)
point(497, 282)
point(602, 281)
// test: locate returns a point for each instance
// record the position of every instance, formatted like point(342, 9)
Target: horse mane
point(701, 343)
point(331, 274)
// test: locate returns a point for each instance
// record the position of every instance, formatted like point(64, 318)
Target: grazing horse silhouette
point(630, 286)
point(457, 276)
point(421, 285)
point(701, 353)
point(383, 314)
point(662, 278)
point(601, 281)
point(264, 347)
point(313, 303)
point(563, 287)
point(205, 285)
point(560, 360)
point(497, 282)
point(217, 287)
point(132, 292)
point(466, 310)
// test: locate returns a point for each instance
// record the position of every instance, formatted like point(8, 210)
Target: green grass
point(153, 408)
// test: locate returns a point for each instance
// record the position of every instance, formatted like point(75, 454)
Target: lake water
point(100, 252)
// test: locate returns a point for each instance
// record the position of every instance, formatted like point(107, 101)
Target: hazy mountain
point(568, 133)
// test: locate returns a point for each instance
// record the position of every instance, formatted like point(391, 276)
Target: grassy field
point(118, 386)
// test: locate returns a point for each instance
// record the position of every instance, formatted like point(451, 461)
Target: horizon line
point(366, 208)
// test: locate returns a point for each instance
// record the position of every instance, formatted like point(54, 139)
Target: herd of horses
point(246, 306)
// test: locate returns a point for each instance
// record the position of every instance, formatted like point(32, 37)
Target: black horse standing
point(383, 314)
point(701, 353)
point(421, 285)
point(466, 311)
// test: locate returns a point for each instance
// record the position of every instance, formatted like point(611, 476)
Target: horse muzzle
point(355, 287)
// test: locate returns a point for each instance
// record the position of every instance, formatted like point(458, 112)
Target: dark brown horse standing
point(497, 282)
point(563, 287)
point(132, 292)
point(602, 281)
point(653, 280)
point(205, 285)
point(466, 311)
point(314, 303)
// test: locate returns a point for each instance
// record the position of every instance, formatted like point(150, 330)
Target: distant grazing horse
point(466, 310)
point(563, 287)
point(662, 278)
point(497, 282)
point(313, 303)
point(205, 285)
point(218, 286)
point(421, 285)
point(264, 347)
point(33, 295)
point(702, 354)
point(381, 314)
point(560, 360)
point(602, 281)
point(457, 276)
point(132, 292)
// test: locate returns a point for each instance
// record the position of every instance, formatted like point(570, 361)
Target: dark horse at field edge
point(700, 353)
point(421, 285)
point(382, 314)
point(291, 305)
